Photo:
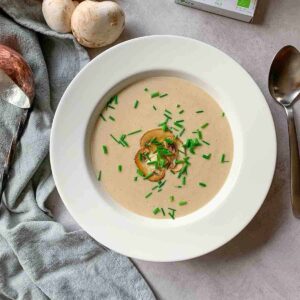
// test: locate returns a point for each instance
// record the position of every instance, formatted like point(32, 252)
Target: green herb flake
point(168, 112)
point(207, 156)
point(167, 116)
point(154, 107)
point(139, 172)
point(154, 94)
point(172, 212)
point(205, 142)
point(204, 125)
point(146, 89)
point(169, 141)
point(163, 95)
point(182, 132)
point(223, 159)
point(135, 178)
point(203, 184)
point(114, 139)
point(163, 211)
point(182, 203)
point(178, 105)
point(109, 106)
point(112, 118)
point(102, 117)
point(199, 111)
point(181, 112)
point(134, 132)
point(148, 195)
point(104, 148)
point(156, 210)
point(183, 180)
point(223, 114)
point(120, 168)
point(136, 104)
point(99, 175)
point(178, 186)
point(148, 175)
point(172, 198)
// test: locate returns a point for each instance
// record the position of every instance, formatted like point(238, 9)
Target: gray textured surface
point(263, 261)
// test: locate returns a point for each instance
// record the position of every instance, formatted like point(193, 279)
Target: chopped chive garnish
point(120, 168)
point(156, 210)
point(172, 213)
point(168, 112)
point(140, 156)
point(104, 148)
point(159, 190)
point(183, 180)
point(179, 186)
point(116, 98)
point(181, 112)
point(155, 94)
point(169, 141)
point(162, 183)
point(199, 111)
point(178, 105)
point(134, 132)
point(155, 187)
point(223, 114)
point(99, 176)
point(146, 89)
point(154, 107)
point(182, 203)
point(115, 139)
point(203, 184)
point(167, 116)
point(112, 118)
point(223, 159)
point(148, 176)
point(207, 143)
point(182, 132)
point(163, 95)
point(204, 125)
point(199, 133)
point(110, 106)
point(136, 103)
point(139, 172)
point(148, 195)
point(162, 210)
point(172, 198)
point(207, 156)
point(102, 117)
point(135, 178)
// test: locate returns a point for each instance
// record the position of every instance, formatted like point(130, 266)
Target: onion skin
point(14, 65)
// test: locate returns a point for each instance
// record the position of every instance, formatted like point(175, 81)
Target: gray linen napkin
point(38, 258)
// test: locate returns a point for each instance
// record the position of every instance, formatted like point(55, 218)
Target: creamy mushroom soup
point(162, 147)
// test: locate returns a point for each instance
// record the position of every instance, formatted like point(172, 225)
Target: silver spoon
point(284, 86)
point(17, 88)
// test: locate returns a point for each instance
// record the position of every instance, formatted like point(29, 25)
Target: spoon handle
point(295, 162)
point(12, 150)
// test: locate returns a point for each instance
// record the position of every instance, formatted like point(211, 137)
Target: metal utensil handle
point(295, 162)
point(12, 150)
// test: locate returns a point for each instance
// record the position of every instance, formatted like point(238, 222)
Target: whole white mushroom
point(97, 24)
point(57, 14)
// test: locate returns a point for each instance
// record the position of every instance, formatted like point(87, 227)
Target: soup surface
point(162, 147)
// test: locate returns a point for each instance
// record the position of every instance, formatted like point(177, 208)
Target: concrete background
point(263, 261)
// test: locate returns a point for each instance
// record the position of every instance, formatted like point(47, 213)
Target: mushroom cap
point(97, 24)
point(57, 14)
point(14, 65)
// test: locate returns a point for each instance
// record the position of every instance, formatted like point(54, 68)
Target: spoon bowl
point(284, 79)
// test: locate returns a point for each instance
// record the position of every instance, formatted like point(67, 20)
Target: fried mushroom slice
point(155, 134)
point(141, 162)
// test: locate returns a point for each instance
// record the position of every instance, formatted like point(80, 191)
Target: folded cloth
point(38, 258)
